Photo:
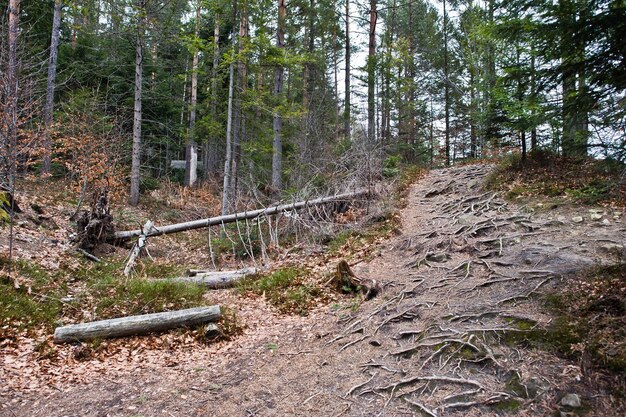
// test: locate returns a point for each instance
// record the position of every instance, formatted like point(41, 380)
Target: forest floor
point(466, 324)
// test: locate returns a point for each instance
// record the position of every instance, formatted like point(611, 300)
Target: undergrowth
point(92, 292)
point(589, 322)
point(582, 180)
point(286, 289)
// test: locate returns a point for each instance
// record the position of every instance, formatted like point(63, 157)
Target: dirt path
point(458, 282)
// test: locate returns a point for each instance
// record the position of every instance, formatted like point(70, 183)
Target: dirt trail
point(457, 282)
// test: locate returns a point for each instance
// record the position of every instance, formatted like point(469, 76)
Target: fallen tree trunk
point(134, 325)
point(216, 280)
point(138, 248)
point(231, 218)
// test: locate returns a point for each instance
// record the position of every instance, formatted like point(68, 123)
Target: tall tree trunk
point(446, 82)
point(307, 78)
point(520, 99)
point(210, 147)
point(135, 174)
point(371, 75)
point(226, 197)
point(346, 113)
point(336, 82)
point(533, 92)
point(240, 86)
point(472, 118)
point(410, 91)
point(191, 150)
point(50, 86)
point(9, 151)
point(569, 111)
point(277, 156)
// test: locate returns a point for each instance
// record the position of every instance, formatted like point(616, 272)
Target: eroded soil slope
point(462, 285)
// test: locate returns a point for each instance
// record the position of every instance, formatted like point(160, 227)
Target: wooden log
point(138, 247)
point(245, 215)
point(135, 325)
point(217, 279)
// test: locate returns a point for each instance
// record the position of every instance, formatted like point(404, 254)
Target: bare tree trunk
point(346, 113)
point(191, 150)
point(11, 102)
point(277, 156)
point(210, 154)
point(336, 83)
point(226, 197)
point(446, 82)
point(371, 75)
point(136, 155)
point(533, 92)
point(240, 85)
point(410, 91)
point(52, 73)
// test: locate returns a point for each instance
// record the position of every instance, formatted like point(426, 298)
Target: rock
point(611, 248)
point(596, 210)
point(577, 219)
point(595, 216)
point(468, 220)
point(437, 257)
point(606, 221)
point(571, 400)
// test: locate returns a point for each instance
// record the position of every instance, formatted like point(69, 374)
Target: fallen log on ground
point(135, 325)
point(231, 218)
point(217, 279)
point(138, 248)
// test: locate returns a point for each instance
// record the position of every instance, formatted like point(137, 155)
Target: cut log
point(135, 325)
point(245, 215)
point(216, 279)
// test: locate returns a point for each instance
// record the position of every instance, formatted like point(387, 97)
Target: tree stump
point(345, 281)
point(96, 225)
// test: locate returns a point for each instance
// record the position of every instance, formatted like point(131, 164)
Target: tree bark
point(446, 82)
point(216, 279)
point(245, 215)
point(371, 75)
point(11, 102)
point(240, 86)
point(136, 153)
point(226, 197)
point(210, 148)
point(346, 114)
point(50, 86)
point(191, 150)
point(136, 325)
point(277, 147)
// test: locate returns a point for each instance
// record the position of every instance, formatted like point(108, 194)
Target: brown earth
point(465, 277)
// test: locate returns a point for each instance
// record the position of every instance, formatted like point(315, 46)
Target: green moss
point(583, 180)
point(340, 240)
point(104, 290)
point(510, 406)
point(589, 319)
point(284, 289)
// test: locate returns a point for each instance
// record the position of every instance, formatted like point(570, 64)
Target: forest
point(312, 207)
point(267, 99)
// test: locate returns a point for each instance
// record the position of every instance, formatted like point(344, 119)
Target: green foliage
point(391, 166)
point(284, 288)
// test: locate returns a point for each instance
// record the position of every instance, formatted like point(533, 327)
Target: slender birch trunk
point(51, 84)
point(277, 148)
point(191, 150)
